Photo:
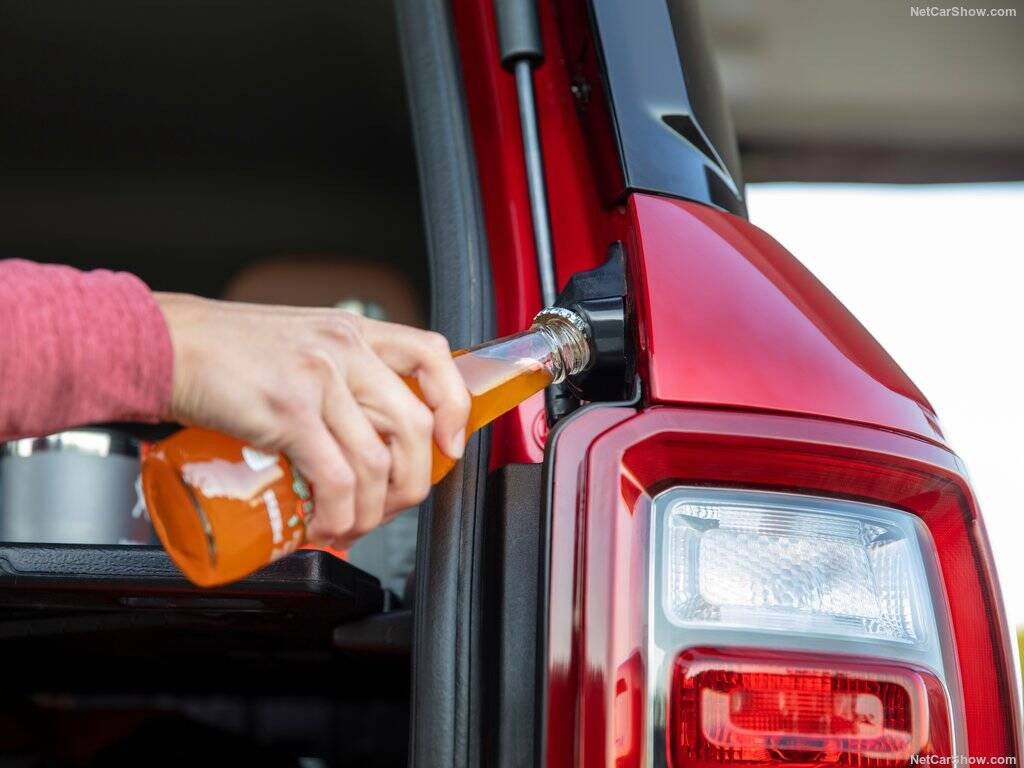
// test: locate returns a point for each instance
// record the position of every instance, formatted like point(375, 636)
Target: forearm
point(79, 348)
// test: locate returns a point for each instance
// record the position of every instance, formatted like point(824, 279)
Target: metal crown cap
point(566, 315)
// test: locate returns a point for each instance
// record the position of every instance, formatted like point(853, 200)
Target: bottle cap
point(566, 315)
point(570, 336)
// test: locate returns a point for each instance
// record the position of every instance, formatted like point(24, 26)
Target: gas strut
point(521, 51)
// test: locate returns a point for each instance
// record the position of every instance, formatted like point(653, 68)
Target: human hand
point(323, 386)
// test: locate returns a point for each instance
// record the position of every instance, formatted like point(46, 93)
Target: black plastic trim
point(672, 128)
point(510, 617)
point(444, 712)
point(387, 634)
point(46, 581)
point(601, 297)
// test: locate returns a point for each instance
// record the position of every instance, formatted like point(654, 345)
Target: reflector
point(768, 708)
point(777, 561)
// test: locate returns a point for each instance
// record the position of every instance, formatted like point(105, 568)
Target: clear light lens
point(776, 561)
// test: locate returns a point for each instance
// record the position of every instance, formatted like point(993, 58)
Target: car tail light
point(752, 707)
point(786, 591)
point(769, 570)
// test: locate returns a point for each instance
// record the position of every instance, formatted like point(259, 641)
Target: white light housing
point(784, 562)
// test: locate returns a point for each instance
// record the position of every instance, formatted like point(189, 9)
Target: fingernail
point(457, 444)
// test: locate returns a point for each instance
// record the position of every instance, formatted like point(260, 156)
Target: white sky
point(935, 274)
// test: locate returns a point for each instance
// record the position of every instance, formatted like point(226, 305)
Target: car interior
point(190, 141)
point(254, 152)
point(869, 93)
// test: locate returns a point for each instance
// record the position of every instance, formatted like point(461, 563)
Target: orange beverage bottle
point(223, 508)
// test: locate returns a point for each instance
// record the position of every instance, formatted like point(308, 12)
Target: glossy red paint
point(494, 119)
point(630, 461)
point(573, 441)
point(729, 318)
point(581, 228)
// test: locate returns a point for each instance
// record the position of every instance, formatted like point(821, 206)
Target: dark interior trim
point(810, 161)
point(511, 612)
point(444, 728)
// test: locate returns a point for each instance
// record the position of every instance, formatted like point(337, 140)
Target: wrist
point(183, 314)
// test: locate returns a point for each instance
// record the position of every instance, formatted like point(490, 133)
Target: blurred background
point(886, 151)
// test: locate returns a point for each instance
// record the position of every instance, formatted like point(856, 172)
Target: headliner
point(832, 90)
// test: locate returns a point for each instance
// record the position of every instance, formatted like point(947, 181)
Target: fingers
point(426, 356)
point(383, 432)
point(314, 450)
point(405, 423)
point(368, 456)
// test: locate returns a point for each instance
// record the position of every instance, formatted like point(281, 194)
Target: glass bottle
point(223, 508)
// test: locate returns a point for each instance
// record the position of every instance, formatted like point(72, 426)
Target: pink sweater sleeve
point(78, 348)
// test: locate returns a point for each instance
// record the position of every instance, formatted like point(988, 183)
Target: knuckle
point(412, 490)
point(367, 523)
point(436, 343)
point(338, 485)
point(415, 491)
point(285, 404)
point(402, 498)
point(420, 419)
point(336, 530)
point(461, 402)
point(319, 362)
point(340, 529)
point(377, 459)
point(421, 487)
point(267, 432)
point(343, 483)
point(328, 527)
point(343, 330)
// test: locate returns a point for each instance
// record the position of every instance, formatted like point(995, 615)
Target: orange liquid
point(495, 387)
point(223, 509)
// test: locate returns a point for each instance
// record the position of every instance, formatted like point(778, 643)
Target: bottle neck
point(557, 342)
point(565, 335)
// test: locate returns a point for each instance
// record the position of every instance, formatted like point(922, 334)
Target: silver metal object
point(75, 487)
point(569, 337)
point(566, 315)
point(82, 441)
point(535, 182)
point(365, 307)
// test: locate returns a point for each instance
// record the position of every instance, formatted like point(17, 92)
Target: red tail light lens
point(774, 708)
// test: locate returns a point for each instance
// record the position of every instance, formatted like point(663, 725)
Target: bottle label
point(288, 534)
point(256, 460)
point(274, 516)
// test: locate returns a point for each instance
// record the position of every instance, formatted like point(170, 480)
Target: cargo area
point(256, 152)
